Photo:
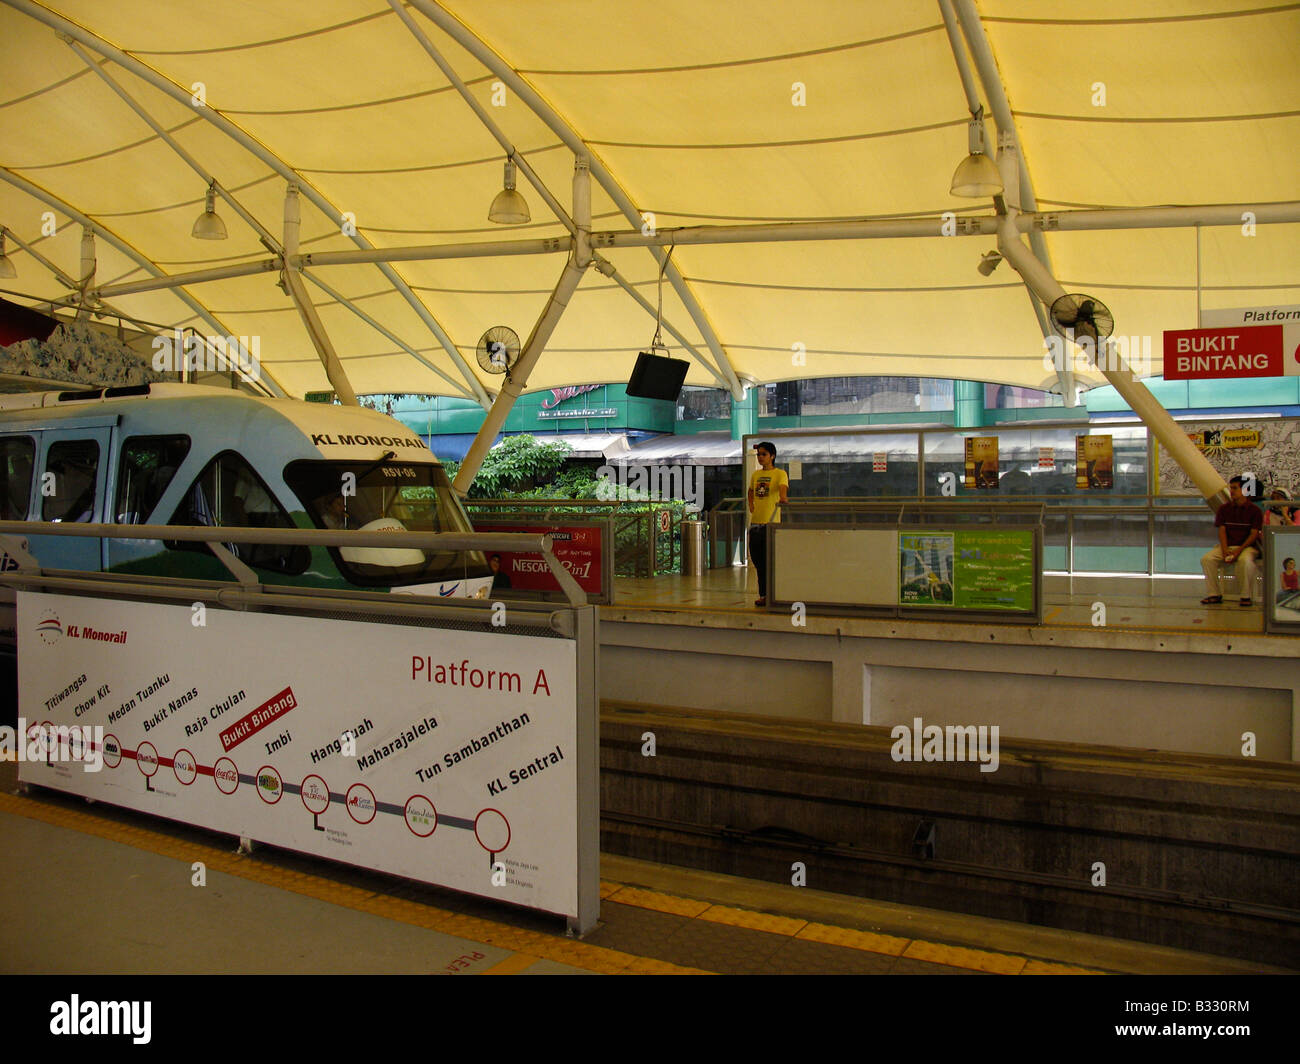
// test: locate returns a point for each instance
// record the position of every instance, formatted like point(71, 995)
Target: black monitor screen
point(656, 377)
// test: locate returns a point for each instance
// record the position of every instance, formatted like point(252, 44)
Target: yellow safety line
point(512, 965)
point(527, 947)
point(850, 938)
point(535, 944)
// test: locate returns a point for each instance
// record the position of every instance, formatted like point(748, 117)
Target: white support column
point(1156, 418)
point(86, 280)
point(297, 290)
point(1022, 191)
point(517, 378)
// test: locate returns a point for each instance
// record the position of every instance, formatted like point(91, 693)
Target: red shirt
point(1239, 520)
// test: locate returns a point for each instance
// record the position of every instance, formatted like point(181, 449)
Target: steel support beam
point(97, 44)
point(1026, 200)
point(539, 185)
point(455, 29)
point(1156, 418)
point(517, 376)
point(386, 333)
point(49, 199)
point(292, 275)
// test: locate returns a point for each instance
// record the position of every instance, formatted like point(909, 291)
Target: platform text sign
point(440, 755)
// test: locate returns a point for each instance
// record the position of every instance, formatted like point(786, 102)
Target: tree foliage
point(518, 465)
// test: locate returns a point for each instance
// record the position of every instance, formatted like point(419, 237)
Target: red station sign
point(1238, 351)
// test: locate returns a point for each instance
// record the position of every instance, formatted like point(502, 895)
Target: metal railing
point(250, 591)
point(1131, 537)
point(645, 543)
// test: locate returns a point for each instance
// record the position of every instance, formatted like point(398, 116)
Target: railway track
point(1189, 851)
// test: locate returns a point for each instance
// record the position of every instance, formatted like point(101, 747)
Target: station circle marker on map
point(356, 803)
point(112, 750)
point(314, 794)
point(183, 768)
point(422, 810)
point(492, 828)
point(266, 772)
point(221, 774)
point(146, 758)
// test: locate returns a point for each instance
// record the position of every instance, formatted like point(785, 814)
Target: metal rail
point(216, 536)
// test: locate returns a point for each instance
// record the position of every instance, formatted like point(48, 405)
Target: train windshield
point(387, 496)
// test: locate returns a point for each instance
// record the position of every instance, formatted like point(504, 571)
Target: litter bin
point(694, 561)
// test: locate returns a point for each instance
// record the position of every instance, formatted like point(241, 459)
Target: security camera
point(989, 262)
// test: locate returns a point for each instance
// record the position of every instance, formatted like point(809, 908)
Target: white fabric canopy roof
point(693, 107)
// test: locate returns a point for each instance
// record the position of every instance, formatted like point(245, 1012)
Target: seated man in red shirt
point(1239, 522)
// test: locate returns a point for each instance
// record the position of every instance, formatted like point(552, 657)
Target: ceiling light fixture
point(208, 225)
point(509, 207)
point(977, 175)
point(7, 268)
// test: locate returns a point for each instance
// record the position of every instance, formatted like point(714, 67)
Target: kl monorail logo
point(51, 630)
point(208, 354)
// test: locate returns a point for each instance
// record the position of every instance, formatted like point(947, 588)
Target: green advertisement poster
point(975, 569)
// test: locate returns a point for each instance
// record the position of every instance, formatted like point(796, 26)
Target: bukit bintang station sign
point(1247, 342)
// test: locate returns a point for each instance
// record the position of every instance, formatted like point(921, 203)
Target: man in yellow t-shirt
point(768, 486)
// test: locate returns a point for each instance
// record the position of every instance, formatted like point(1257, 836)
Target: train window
point(75, 465)
point(388, 495)
point(228, 492)
point(147, 467)
point(17, 457)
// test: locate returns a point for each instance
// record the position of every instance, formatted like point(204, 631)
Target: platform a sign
point(441, 755)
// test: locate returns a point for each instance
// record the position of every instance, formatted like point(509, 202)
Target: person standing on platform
point(768, 487)
point(1239, 522)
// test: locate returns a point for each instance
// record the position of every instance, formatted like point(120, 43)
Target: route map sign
point(446, 756)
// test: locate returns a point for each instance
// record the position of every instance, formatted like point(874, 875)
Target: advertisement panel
point(445, 756)
point(1094, 463)
point(981, 463)
point(974, 569)
point(576, 546)
point(1282, 579)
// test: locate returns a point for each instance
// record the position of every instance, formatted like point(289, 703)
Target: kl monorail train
point(183, 454)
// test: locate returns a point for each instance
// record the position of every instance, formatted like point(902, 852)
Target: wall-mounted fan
point(498, 349)
point(1082, 318)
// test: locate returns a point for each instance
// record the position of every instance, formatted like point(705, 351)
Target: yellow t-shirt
point(766, 485)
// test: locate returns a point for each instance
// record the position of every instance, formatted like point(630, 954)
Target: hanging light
point(977, 175)
point(208, 225)
point(7, 268)
point(509, 207)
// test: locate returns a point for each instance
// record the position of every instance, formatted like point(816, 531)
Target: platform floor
point(279, 912)
point(1170, 604)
